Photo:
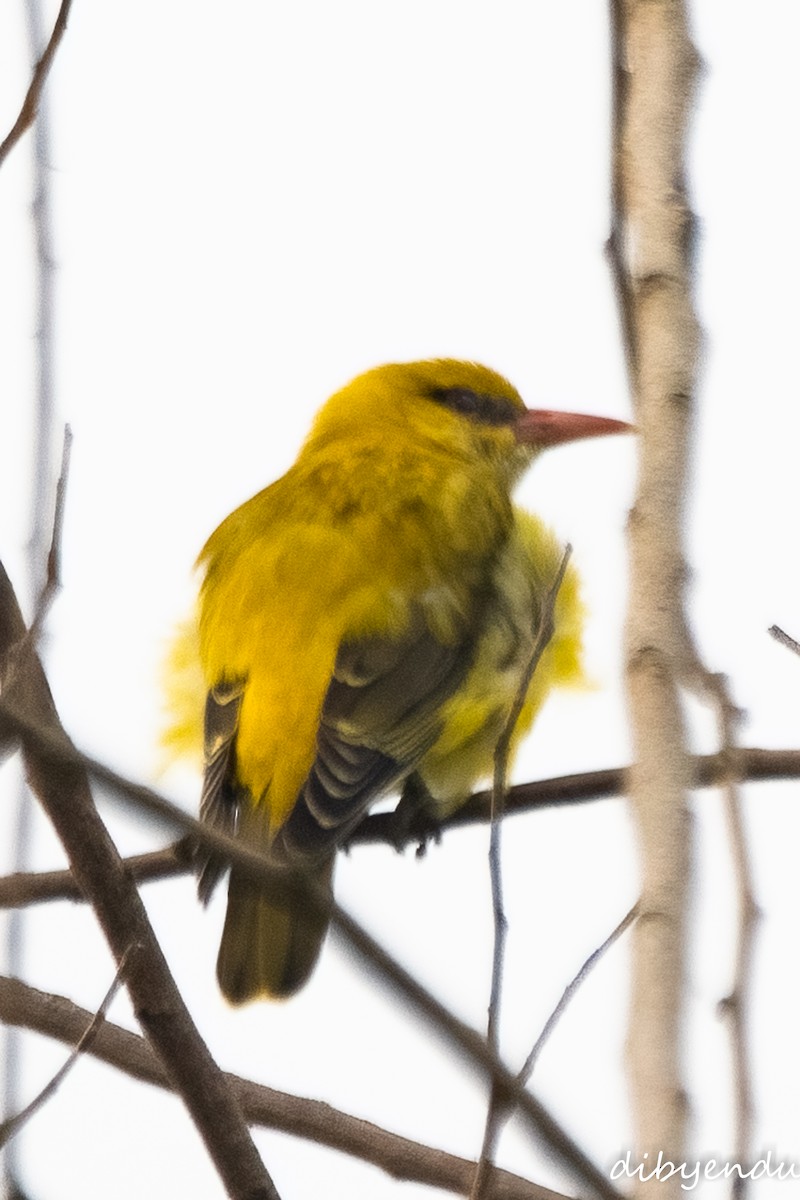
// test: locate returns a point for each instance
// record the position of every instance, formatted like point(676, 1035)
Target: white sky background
point(252, 205)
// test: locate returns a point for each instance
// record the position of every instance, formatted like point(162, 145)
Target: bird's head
point(459, 408)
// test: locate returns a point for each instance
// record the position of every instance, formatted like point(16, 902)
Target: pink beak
point(543, 427)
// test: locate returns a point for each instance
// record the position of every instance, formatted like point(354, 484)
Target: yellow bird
point(363, 625)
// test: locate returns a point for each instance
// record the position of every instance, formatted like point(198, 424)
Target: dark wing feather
point(380, 715)
point(220, 798)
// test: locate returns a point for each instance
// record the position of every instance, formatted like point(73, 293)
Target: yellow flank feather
point(475, 716)
point(184, 694)
point(363, 624)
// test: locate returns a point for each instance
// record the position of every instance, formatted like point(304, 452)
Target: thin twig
point(474, 1049)
point(314, 1120)
point(734, 1006)
point(615, 244)
point(11, 1127)
point(44, 404)
point(504, 1110)
point(30, 105)
point(543, 637)
point(52, 582)
point(570, 990)
point(713, 687)
point(543, 634)
point(781, 636)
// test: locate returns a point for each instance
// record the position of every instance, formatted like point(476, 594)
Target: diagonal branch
point(59, 1018)
point(52, 581)
point(783, 637)
point(571, 988)
point(63, 790)
point(30, 105)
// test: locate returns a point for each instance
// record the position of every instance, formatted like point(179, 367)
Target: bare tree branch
point(30, 105)
point(64, 792)
point(781, 636)
point(708, 770)
point(21, 889)
point(57, 1017)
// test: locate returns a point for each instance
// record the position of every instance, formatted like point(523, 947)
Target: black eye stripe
point(489, 410)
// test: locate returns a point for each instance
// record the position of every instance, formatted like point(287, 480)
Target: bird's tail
point(270, 943)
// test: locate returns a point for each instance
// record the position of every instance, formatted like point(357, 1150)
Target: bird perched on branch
point(363, 626)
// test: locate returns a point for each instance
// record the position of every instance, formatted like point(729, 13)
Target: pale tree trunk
point(651, 248)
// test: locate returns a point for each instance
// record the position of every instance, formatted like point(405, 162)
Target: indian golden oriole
point(363, 625)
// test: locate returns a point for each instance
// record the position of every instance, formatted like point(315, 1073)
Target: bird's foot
point(413, 819)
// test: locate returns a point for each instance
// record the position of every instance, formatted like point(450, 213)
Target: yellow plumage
point(474, 717)
point(364, 622)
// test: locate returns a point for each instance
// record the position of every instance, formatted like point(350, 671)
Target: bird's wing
point(219, 799)
point(381, 713)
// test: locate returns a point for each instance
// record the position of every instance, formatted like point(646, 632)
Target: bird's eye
point(488, 410)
